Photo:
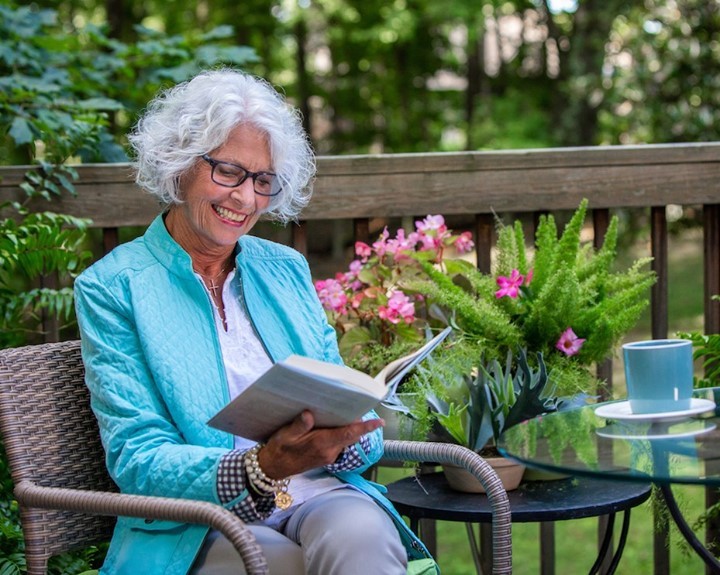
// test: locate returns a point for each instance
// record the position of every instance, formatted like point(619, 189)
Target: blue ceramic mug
point(659, 375)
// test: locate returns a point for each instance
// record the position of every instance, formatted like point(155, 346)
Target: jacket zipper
point(244, 303)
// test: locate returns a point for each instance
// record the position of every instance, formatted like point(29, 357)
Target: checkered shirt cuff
point(232, 481)
point(350, 458)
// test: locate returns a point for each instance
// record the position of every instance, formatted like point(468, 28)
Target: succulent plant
point(477, 406)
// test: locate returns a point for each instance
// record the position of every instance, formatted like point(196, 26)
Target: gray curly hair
point(195, 117)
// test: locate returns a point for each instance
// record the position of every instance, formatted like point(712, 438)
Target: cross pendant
point(213, 287)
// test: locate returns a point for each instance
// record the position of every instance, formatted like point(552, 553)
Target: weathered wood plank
point(452, 183)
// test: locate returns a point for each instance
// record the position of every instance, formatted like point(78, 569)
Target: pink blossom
point(356, 299)
point(528, 277)
point(400, 244)
point(332, 295)
point(432, 224)
point(398, 307)
point(354, 269)
point(428, 243)
point(509, 286)
point(380, 246)
point(363, 250)
point(464, 243)
point(432, 231)
point(569, 343)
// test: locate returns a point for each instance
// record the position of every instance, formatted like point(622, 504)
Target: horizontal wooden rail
point(444, 183)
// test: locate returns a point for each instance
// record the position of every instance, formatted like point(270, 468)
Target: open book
point(336, 394)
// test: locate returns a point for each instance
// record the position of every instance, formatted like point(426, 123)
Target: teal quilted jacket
point(154, 369)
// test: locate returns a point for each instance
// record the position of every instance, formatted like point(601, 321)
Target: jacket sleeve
point(145, 451)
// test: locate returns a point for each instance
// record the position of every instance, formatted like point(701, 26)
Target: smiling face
point(211, 218)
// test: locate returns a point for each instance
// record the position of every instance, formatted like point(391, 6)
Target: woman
point(178, 322)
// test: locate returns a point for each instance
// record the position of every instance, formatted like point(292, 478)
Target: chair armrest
point(160, 508)
point(433, 452)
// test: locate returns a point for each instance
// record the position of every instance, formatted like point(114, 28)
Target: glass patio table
point(607, 441)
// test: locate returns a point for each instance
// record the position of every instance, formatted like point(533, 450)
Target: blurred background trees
point(373, 76)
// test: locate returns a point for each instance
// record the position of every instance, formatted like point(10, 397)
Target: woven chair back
point(51, 439)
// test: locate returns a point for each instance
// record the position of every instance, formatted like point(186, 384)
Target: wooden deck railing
point(475, 185)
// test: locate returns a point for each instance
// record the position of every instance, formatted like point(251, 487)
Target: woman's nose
point(244, 194)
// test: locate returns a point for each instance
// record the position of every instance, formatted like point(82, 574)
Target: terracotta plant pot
point(460, 479)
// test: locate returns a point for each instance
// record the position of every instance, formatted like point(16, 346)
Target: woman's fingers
point(299, 446)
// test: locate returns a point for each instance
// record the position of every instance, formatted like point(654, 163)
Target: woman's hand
point(300, 446)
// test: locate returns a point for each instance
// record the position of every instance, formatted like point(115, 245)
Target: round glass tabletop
point(606, 440)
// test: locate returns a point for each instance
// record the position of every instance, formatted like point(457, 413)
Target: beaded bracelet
point(262, 484)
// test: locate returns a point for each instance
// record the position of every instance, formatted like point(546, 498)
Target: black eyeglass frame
point(248, 174)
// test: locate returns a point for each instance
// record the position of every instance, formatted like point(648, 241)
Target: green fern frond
point(601, 262)
point(522, 261)
point(546, 242)
point(554, 310)
point(475, 315)
point(568, 249)
point(507, 255)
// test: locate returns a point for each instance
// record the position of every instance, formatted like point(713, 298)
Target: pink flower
point(569, 343)
point(400, 244)
point(380, 246)
point(464, 243)
point(354, 269)
point(363, 250)
point(427, 243)
point(332, 295)
point(509, 286)
point(432, 223)
point(431, 233)
point(528, 277)
point(398, 307)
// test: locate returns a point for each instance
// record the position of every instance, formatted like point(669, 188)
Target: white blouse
point(245, 360)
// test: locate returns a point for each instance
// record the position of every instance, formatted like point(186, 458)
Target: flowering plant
point(564, 301)
point(377, 316)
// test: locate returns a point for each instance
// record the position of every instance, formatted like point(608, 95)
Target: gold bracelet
point(262, 484)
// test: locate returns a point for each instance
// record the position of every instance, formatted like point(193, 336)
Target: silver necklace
point(210, 282)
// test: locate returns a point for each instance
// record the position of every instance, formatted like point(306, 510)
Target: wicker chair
point(68, 501)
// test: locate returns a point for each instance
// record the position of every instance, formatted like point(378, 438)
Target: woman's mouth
point(230, 215)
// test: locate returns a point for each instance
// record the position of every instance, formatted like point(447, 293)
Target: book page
point(391, 375)
point(282, 393)
point(332, 371)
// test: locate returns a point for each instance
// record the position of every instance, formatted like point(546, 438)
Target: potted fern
point(565, 301)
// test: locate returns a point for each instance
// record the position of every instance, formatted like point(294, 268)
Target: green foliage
point(73, 95)
point(474, 400)
point(671, 92)
point(566, 284)
point(706, 347)
point(38, 245)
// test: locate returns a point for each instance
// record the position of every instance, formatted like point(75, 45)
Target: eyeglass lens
point(232, 175)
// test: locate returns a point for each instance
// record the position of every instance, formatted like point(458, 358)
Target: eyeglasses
point(231, 176)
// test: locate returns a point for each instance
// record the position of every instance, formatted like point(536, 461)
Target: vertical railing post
point(711, 265)
point(361, 230)
point(659, 328)
point(604, 370)
point(111, 239)
point(483, 241)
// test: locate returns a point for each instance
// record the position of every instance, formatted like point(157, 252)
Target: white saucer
point(636, 431)
point(620, 410)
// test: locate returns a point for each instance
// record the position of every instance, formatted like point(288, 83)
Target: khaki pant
point(342, 532)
